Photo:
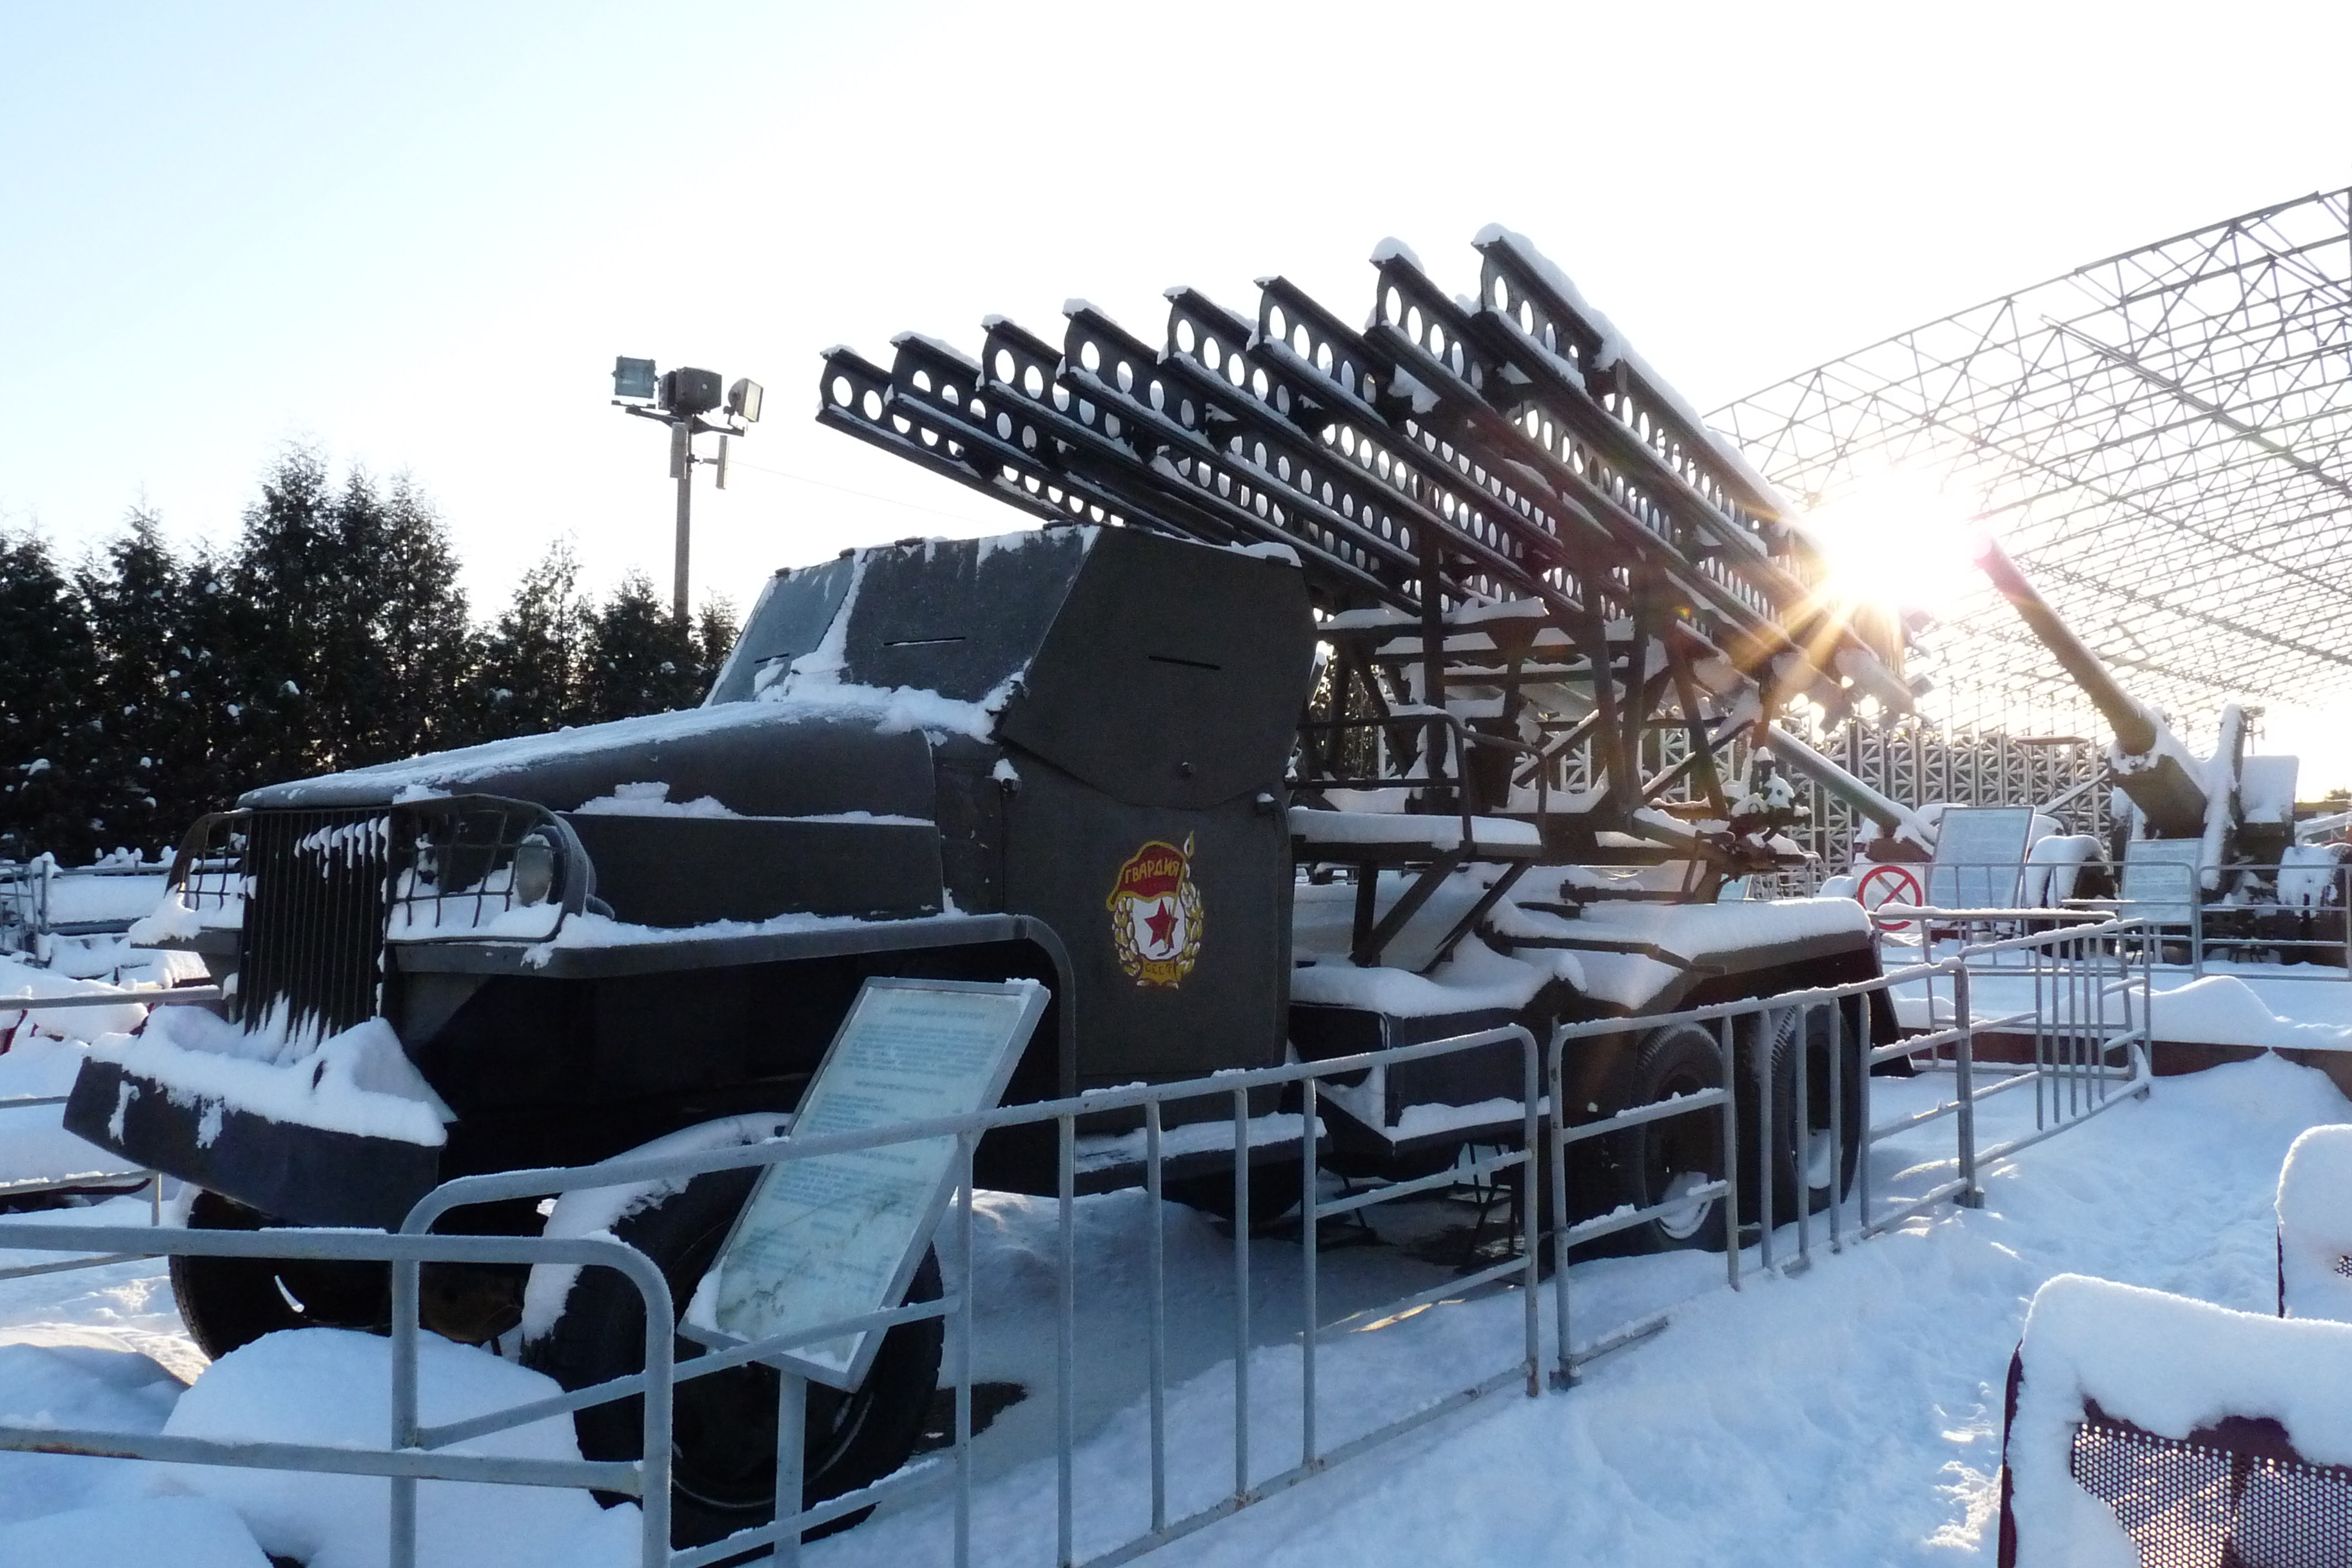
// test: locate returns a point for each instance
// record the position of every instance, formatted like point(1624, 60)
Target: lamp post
point(679, 398)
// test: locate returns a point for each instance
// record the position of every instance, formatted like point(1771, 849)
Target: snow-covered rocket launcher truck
point(1361, 688)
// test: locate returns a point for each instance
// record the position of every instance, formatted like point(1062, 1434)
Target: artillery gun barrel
point(2134, 730)
point(2144, 768)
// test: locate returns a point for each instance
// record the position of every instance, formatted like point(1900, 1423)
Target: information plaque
point(834, 1236)
point(1980, 857)
point(2160, 880)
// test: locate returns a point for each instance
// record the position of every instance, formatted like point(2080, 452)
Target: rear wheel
point(1810, 1163)
point(1668, 1159)
point(723, 1432)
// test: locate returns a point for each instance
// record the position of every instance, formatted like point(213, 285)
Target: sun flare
point(1897, 539)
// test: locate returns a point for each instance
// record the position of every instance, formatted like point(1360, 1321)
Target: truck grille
point(312, 951)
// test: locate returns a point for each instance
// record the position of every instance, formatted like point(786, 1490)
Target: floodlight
point(743, 400)
point(633, 378)
point(688, 392)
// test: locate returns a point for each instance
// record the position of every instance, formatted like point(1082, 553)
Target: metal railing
point(29, 917)
point(2095, 1055)
point(89, 1181)
point(2291, 918)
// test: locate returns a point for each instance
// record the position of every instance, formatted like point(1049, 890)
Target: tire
point(723, 1464)
point(226, 1302)
point(1801, 1153)
point(1662, 1158)
point(1275, 1188)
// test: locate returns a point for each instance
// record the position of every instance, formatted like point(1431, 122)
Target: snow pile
point(652, 799)
point(1476, 978)
point(360, 1081)
point(1849, 1417)
point(41, 1050)
point(85, 897)
point(331, 1386)
point(2315, 1223)
point(2307, 874)
point(2171, 1365)
point(2223, 1009)
point(184, 1532)
point(51, 1385)
point(18, 978)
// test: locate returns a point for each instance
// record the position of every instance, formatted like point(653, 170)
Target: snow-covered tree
point(49, 730)
point(530, 674)
point(641, 659)
point(151, 686)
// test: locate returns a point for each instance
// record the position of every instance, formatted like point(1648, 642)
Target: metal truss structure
point(2160, 436)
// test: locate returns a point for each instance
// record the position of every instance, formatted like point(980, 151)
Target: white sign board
point(839, 1235)
point(2160, 880)
point(1980, 857)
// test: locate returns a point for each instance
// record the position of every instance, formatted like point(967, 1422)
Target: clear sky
point(416, 235)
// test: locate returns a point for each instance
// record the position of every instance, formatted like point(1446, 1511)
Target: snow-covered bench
point(2149, 1428)
point(2314, 1230)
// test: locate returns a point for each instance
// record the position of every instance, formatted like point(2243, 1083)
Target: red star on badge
point(1161, 922)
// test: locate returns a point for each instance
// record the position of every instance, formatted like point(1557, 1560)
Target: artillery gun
point(2229, 817)
point(1328, 711)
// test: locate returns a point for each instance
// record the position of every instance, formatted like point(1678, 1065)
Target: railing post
point(1837, 1124)
point(1555, 1177)
point(967, 1146)
point(792, 1438)
point(1241, 1293)
point(2196, 928)
point(1159, 1272)
point(1066, 1350)
point(1309, 1309)
point(1729, 1079)
point(1530, 1241)
point(1970, 1196)
point(1800, 1129)
point(1762, 1034)
point(402, 1542)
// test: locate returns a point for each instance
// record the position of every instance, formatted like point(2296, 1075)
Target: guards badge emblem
point(1156, 914)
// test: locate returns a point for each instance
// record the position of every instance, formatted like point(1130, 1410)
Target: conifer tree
point(50, 734)
point(530, 672)
point(641, 658)
point(133, 596)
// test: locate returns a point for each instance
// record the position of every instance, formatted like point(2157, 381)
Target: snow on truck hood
point(569, 767)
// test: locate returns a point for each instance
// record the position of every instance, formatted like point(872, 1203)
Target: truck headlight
point(534, 870)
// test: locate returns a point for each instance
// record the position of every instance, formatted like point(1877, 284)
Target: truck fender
point(594, 1211)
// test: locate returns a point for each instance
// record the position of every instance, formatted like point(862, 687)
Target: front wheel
point(723, 1427)
point(226, 1302)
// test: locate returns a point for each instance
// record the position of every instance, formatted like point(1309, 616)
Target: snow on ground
point(40, 1051)
point(1849, 1416)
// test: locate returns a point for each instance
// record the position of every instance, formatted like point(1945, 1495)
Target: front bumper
point(310, 1175)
